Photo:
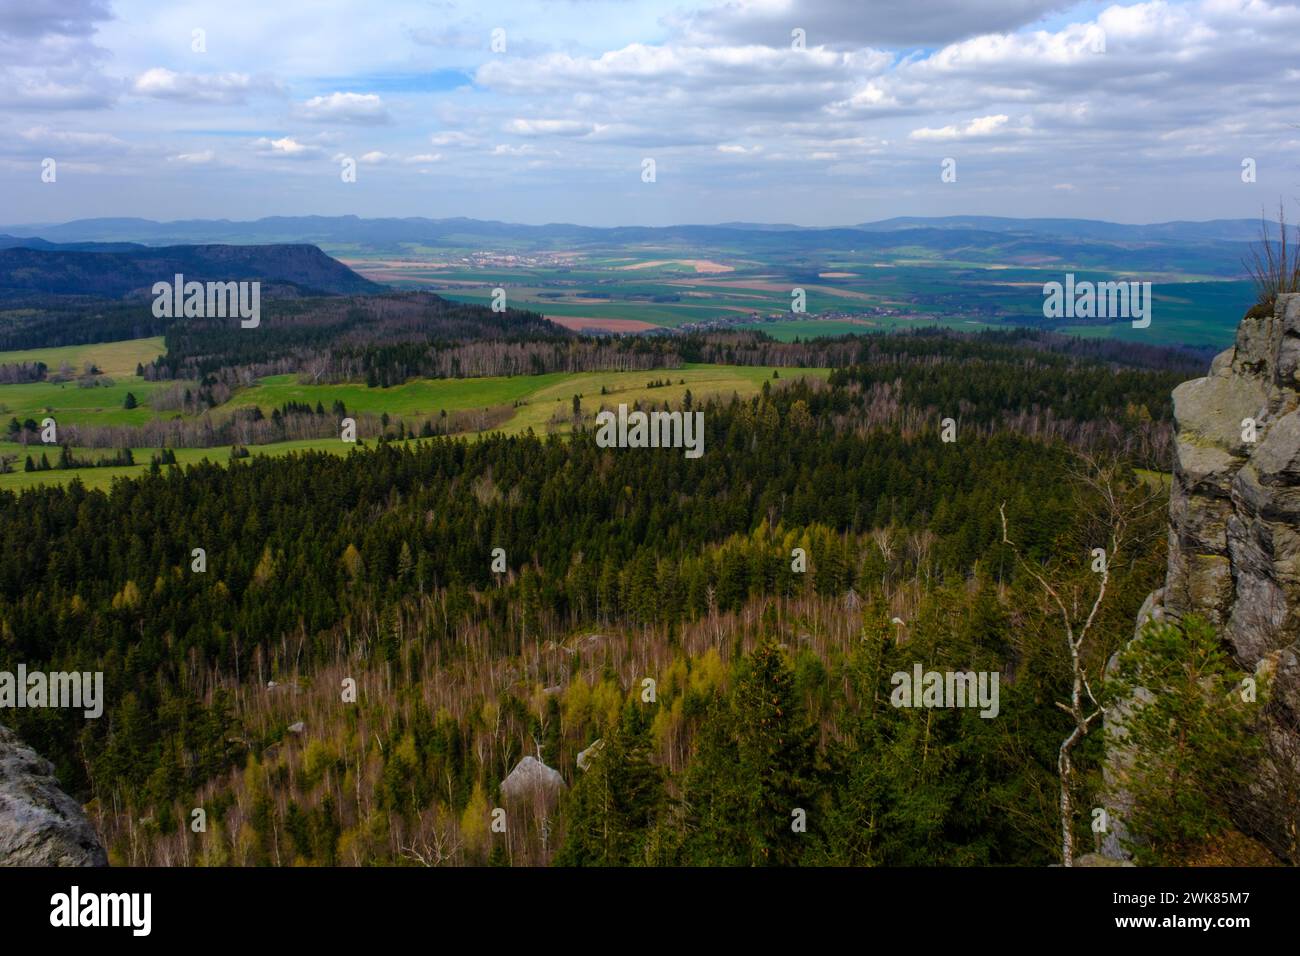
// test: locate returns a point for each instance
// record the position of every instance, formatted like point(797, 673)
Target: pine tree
point(713, 809)
point(754, 768)
point(775, 756)
point(614, 804)
point(853, 818)
point(1190, 741)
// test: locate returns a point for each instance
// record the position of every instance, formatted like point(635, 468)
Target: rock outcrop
point(531, 778)
point(40, 825)
point(585, 757)
point(1234, 546)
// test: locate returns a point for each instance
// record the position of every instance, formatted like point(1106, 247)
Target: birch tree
point(1117, 506)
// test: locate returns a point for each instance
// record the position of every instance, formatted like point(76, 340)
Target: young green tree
point(851, 832)
point(615, 802)
point(755, 769)
point(1190, 741)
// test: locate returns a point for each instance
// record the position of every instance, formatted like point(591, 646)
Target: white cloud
point(642, 69)
point(858, 22)
point(551, 127)
point(1177, 94)
point(364, 109)
point(37, 90)
point(48, 57)
point(980, 126)
point(36, 18)
point(162, 83)
point(83, 150)
point(45, 136)
point(452, 138)
point(286, 147)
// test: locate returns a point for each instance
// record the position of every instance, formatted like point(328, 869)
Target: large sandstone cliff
point(40, 825)
point(1234, 547)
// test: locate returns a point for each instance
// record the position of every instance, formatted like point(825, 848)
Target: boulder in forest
point(531, 777)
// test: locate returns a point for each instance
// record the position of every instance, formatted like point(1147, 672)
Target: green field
point(115, 359)
point(534, 394)
point(104, 477)
point(1192, 313)
point(703, 381)
point(68, 402)
point(884, 292)
point(541, 402)
point(419, 397)
point(814, 328)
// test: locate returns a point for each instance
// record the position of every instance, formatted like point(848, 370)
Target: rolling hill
point(123, 271)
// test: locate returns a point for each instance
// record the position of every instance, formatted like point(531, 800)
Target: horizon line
point(733, 223)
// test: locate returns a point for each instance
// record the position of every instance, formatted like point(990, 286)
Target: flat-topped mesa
point(40, 825)
point(1234, 541)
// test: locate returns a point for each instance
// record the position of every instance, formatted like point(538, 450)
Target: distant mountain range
point(120, 257)
point(1231, 230)
point(120, 270)
point(342, 229)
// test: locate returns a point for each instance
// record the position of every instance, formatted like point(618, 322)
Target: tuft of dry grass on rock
point(1274, 263)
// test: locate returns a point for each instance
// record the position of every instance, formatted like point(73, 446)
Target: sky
point(812, 112)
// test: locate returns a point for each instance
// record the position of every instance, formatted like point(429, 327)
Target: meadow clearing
point(539, 402)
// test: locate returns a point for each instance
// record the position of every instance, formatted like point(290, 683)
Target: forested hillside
point(351, 670)
point(123, 270)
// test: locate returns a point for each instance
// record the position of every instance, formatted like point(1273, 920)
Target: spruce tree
point(614, 804)
point(756, 765)
point(1190, 739)
point(775, 753)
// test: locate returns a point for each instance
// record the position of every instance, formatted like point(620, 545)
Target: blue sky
point(1134, 112)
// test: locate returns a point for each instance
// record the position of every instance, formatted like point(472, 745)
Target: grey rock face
point(1237, 523)
point(1234, 543)
point(531, 778)
point(587, 756)
point(40, 825)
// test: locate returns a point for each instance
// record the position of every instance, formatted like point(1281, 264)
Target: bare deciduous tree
point(1117, 508)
